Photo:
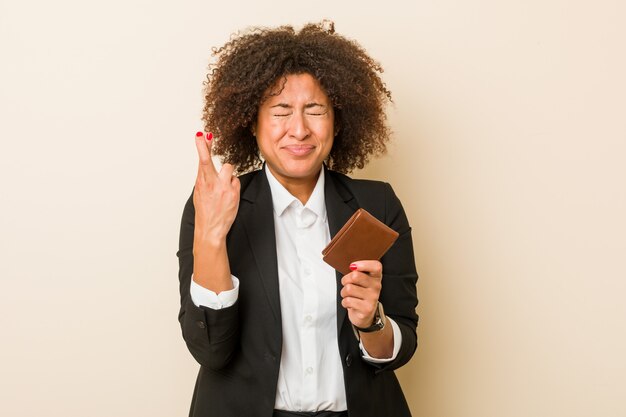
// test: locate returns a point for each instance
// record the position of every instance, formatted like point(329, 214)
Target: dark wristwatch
point(379, 322)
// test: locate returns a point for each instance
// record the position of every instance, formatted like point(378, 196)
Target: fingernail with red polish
point(199, 134)
point(353, 267)
point(209, 136)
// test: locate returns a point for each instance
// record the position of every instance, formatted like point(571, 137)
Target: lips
point(299, 150)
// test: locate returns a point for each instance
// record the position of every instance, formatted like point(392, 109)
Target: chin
point(302, 166)
point(299, 170)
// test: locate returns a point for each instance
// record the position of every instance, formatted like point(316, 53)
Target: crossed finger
point(206, 168)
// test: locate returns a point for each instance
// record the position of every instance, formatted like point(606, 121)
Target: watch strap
point(380, 320)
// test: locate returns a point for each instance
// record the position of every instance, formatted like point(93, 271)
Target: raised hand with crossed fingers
point(216, 201)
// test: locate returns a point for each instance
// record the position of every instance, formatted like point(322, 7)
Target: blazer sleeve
point(399, 291)
point(211, 335)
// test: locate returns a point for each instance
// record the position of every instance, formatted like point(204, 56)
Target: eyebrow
point(306, 106)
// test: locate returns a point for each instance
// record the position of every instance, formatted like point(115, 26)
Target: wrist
point(378, 323)
point(208, 240)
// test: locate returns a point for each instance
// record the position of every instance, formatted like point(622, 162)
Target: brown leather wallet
point(363, 237)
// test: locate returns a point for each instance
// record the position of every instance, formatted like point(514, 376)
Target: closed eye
point(316, 109)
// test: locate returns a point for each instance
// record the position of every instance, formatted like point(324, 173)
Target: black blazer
point(239, 347)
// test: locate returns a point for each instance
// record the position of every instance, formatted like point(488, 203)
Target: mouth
point(299, 150)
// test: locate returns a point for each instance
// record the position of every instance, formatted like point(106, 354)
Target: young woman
point(278, 332)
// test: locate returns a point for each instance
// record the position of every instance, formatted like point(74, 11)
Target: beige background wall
point(509, 157)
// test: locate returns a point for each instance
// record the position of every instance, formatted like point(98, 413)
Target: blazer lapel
point(257, 213)
point(340, 205)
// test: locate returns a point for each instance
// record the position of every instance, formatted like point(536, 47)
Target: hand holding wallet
point(363, 237)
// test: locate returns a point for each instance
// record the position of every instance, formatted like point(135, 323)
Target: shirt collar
point(281, 198)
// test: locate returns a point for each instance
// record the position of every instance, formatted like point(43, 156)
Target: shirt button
point(309, 370)
point(201, 324)
point(308, 318)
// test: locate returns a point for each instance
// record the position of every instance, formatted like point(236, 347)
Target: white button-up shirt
point(310, 376)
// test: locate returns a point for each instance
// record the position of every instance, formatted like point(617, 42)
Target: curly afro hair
point(252, 62)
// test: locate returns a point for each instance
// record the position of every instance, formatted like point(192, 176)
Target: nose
point(298, 128)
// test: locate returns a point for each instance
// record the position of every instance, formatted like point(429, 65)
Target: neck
point(300, 191)
point(300, 188)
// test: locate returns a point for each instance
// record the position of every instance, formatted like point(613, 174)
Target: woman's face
point(295, 130)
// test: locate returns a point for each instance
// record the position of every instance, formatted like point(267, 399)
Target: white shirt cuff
point(204, 297)
point(397, 341)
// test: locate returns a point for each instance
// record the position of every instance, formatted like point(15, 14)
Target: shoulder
point(355, 186)
point(252, 183)
point(246, 179)
point(377, 197)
